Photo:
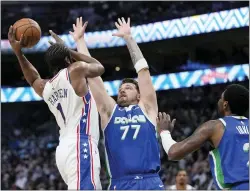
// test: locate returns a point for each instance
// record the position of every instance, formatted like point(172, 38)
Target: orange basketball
point(29, 28)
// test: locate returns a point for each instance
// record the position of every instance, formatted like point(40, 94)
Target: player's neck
point(181, 186)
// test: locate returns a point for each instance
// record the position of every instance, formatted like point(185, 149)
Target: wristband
point(141, 64)
point(166, 140)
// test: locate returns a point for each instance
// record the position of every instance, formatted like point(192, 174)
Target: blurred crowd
point(30, 136)
point(102, 14)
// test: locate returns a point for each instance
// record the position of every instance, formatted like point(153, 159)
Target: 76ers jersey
point(131, 143)
point(230, 161)
point(74, 114)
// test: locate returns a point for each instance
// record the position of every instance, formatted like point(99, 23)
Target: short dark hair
point(179, 170)
point(237, 97)
point(132, 81)
point(55, 57)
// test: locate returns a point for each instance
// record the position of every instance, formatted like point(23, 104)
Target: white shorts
point(78, 162)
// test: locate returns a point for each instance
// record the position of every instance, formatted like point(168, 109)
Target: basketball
point(29, 28)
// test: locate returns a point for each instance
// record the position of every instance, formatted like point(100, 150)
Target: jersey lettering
point(61, 93)
point(127, 120)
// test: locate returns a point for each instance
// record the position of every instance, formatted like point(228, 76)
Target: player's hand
point(56, 37)
point(123, 28)
point(79, 29)
point(164, 122)
point(16, 45)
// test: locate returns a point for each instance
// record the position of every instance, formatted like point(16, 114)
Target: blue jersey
point(131, 143)
point(229, 162)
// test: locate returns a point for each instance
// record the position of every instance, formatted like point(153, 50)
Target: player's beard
point(123, 101)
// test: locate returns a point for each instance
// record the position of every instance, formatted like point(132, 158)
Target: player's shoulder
point(213, 123)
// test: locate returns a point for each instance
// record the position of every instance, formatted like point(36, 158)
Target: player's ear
point(68, 60)
point(138, 97)
point(225, 105)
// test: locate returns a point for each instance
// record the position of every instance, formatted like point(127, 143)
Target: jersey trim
point(78, 163)
point(144, 113)
point(51, 80)
point(218, 172)
point(107, 162)
point(238, 117)
point(111, 116)
point(88, 118)
point(92, 164)
point(223, 121)
point(67, 75)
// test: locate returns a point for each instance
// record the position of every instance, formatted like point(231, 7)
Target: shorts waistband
point(136, 177)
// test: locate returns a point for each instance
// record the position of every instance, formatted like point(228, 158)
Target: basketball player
point(229, 161)
point(181, 182)
point(69, 99)
point(132, 151)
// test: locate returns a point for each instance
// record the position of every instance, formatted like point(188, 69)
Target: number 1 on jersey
point(59, 108)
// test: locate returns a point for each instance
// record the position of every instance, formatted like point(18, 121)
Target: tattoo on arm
point(134, 49)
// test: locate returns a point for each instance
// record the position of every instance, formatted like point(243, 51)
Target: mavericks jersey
point(131, 144)
point(74, 115)
point(229, 162)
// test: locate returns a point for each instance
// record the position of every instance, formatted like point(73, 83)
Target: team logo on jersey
point(129, 119)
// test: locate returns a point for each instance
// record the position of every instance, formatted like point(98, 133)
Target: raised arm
point(29, 71)
point(148, 98)
point(178, 150)
point(85, 65)
point(104, 102)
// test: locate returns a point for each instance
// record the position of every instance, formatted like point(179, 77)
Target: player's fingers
point(173, 122)
point(77, 21)
point(157, 120)
point(10, 29)
point(10, 33)
point(51, 42)
point(120, 21)
point(128, 22)
point(23, 40)
point(85, 25)
point(160, 116)
point(168, 117)
point(164, 116)
point(13, 32)
point(123, 20)
point(74, 27)
point(117, 25)
point(52, 34)
point(80, 22)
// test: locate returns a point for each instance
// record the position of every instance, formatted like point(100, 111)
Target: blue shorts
point(137, 182)
point(241, 186)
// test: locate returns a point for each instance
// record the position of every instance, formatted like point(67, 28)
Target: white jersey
point(173, 187)
point(77, 155)
point(70, 110)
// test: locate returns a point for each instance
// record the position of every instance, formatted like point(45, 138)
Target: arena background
point(194, 49)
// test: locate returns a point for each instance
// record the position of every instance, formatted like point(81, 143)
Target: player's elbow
point(173, 155)
point(101, 69)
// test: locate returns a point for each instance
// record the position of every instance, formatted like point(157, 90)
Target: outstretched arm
point(29, 71)
point(105, 103)
point(178, 150)
point(148, 98)
point(86, 66)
